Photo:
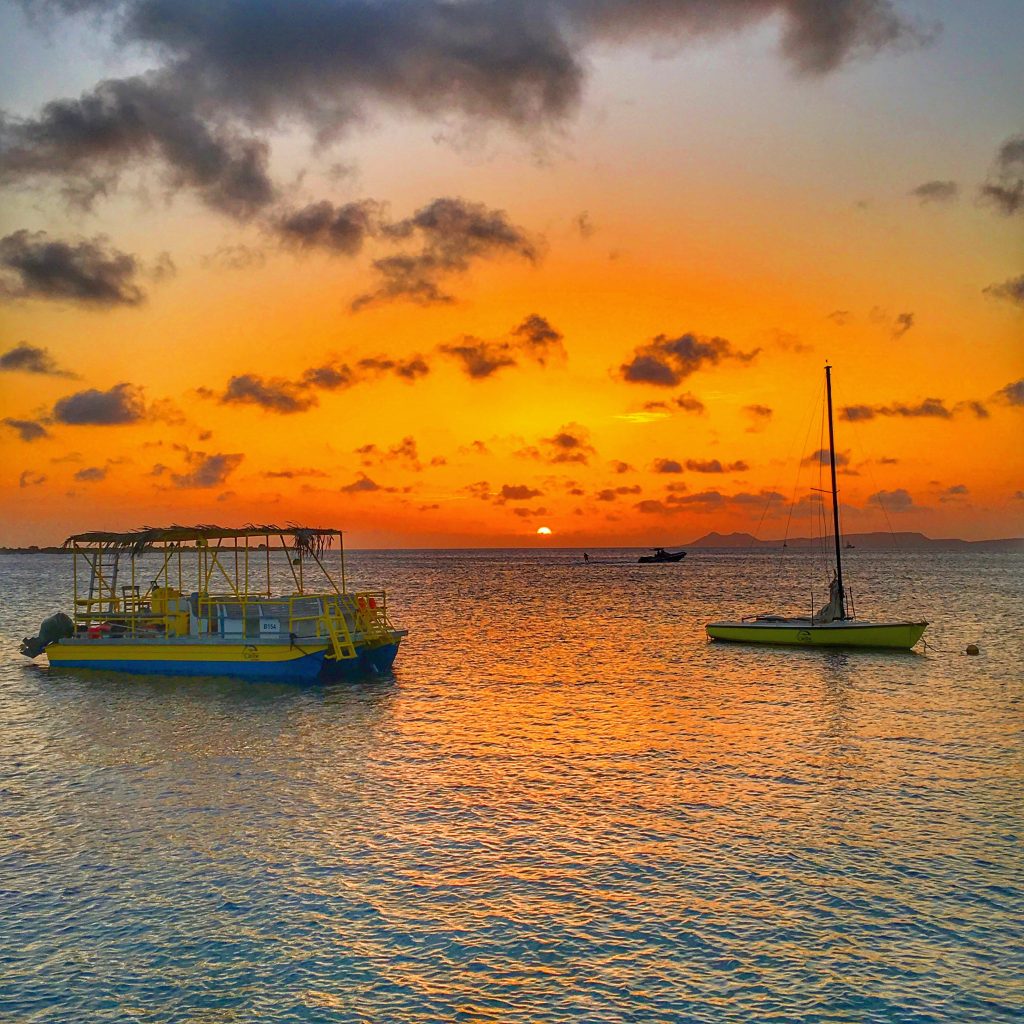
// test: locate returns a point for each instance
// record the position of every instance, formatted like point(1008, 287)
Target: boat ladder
point(341, 639)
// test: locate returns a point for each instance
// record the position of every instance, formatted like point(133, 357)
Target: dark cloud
point(688, 402)
point(278, 395)
point(759, 416)
point(28, 430)
point(25, 358)
point(29, 478)
point(666, 361)
point(406, 451)
point(954, 493)
point(361, 485)
point(516, 492)
point(32, 266)
point(978, 408)
point(840, 317)
point(88, 142)
point(538, 339)
point(613, 493)
point(856, 413)
point(821, 458)
point(480, 358)
point(328, 377)
point(583, 224)
point(1004, 189)
point(934, 408)
point(570, 444)
point(534, 339)
point(898, 500)
point(1009, 291)
point(451, 234)
point(667, 466)
point(234, 257)
point(206, 470)
point(340, 229)
point(903, 323)
point(706, 501)
point(621, 467)
point(274, 394)
point(1013, 392)
point(481, 490)
point(407, 369)
point(651, 506)
point(227, 74)
point(936, 192)
point(714, 466)
point(292, 474)
point(91, 474)
point(120, 405)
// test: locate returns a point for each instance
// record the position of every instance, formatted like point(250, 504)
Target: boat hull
point(369, 661)
point(280, 663)
point(881, 635)
point(258, 662)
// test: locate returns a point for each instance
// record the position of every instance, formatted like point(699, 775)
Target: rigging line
point(792, 497)
point(821, 527)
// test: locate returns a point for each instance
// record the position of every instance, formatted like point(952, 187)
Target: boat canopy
point(304, 538)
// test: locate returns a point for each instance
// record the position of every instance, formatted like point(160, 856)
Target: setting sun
point(544, 531)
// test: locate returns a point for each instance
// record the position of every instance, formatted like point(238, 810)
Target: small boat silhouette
point(661, 555)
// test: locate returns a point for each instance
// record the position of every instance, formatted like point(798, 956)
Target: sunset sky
point(443, 273)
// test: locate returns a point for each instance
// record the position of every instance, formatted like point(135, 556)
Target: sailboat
point(833, 625)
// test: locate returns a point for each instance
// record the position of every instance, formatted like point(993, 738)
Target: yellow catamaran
point(201, 601)
point(832, 626)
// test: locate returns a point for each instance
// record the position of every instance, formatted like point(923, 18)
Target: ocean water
point(565, 805)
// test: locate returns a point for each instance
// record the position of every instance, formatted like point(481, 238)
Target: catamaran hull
point(889, 635)
point(252, 662)
point(369, 661)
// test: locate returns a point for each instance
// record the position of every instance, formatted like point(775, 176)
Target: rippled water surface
point(565, 806)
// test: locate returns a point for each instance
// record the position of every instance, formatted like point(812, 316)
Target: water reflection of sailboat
point(832, 625)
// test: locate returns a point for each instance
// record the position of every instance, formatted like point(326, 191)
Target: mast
point(835, 494)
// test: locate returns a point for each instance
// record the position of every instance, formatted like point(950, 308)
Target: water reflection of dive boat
point(201, 601)
point(834, 625)
point(661, 555)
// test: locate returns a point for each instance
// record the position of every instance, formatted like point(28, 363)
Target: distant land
point(734, 541)
point(865, 541)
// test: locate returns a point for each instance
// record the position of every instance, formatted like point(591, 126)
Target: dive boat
point(833, 625)
point(201, 601)
point(661, 555)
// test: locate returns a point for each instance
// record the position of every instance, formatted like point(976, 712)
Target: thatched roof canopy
point(304, 539)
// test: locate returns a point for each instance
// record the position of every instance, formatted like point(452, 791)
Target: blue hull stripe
point(306, 668)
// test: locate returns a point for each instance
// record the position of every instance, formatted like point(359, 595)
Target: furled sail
point(834, 609)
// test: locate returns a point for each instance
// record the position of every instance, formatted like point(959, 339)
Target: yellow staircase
point(337, 629)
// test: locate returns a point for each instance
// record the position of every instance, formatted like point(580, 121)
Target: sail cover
point(834, 609)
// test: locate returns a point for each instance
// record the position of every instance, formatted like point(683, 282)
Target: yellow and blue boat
point(201, 601)
point(833, 625)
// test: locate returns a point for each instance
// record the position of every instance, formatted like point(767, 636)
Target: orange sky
point(768, 210)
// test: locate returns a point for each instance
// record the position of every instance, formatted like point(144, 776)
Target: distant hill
point(864, 541)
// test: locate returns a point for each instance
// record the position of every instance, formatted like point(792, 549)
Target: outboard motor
point(56, 627)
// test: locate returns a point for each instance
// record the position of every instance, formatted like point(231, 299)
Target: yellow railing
point(342, 619)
